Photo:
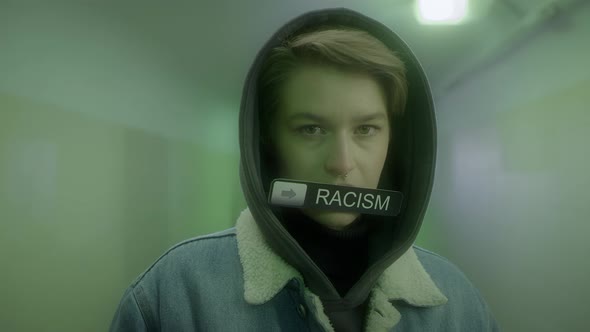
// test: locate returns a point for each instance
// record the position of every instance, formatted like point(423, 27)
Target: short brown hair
point(341, 47)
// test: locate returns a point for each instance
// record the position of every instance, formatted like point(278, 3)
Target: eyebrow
point(319, 118)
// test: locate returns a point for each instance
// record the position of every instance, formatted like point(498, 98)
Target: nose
point(339, 160)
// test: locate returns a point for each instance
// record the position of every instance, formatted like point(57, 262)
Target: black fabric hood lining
point(418, 156)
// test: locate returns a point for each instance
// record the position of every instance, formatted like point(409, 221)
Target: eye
point(367, 132)
point(309, 130)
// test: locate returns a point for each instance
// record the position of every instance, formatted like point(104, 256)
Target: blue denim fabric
point(198, 286)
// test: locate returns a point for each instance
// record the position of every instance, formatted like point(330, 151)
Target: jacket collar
point(266, 273)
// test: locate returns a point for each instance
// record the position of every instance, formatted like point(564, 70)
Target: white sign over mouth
point(296, 193)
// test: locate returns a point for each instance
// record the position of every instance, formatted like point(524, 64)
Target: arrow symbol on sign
point(289, 193)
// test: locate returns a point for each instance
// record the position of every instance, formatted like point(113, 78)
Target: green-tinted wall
point(87, 205)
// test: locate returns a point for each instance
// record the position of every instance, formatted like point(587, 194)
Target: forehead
point(331, 92)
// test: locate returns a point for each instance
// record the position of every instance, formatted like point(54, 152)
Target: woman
point(333, 98)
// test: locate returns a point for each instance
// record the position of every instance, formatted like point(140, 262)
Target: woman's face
point(331, 123)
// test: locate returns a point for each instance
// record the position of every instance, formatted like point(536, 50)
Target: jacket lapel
point(266, 273)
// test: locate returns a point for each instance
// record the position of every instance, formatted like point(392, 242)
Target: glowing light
point(441, 11)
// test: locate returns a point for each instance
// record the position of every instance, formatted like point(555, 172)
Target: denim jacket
point(233, 281)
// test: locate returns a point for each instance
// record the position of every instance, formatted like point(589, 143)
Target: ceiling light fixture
point(441, 11)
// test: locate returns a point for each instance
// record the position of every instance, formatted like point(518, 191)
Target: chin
point(332, 219)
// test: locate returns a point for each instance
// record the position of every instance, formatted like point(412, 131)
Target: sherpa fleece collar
point(266, 273)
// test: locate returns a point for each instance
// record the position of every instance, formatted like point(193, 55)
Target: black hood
point(409, 170)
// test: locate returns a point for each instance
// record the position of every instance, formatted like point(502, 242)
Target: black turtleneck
point(340, 254)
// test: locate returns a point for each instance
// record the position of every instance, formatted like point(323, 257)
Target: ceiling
point(214, 42)
point(177, 68)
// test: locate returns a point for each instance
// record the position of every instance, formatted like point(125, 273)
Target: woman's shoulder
point(465, 299)
point(193, 256)
point(194, 273)
point(438, 266)
point(451, 280)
